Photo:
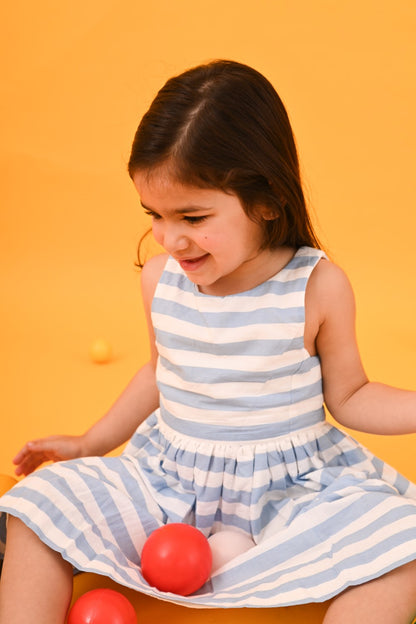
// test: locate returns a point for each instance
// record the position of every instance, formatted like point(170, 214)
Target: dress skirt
point(324, 513)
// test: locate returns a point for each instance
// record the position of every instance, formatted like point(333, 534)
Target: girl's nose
point(173, 239)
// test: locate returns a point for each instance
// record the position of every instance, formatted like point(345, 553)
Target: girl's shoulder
point(328, 280)
point(329, 293)
point(151, 274)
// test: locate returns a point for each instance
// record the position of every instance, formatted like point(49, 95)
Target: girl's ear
point(267, 214)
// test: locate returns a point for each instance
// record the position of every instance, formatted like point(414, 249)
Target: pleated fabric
point(239, 441)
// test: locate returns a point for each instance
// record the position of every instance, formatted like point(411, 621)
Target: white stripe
point(241, 418)
point(232, 362)
point(225, 335)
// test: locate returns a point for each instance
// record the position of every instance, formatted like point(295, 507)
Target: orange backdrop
point(76, 77)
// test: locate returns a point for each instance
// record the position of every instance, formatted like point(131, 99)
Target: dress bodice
point(229, 364)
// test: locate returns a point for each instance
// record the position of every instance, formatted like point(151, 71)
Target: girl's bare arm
point(351, 398)
point(139, 399)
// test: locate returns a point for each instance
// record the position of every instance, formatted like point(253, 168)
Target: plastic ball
point(100, 351)
point(102, 606)
point(176, 558)
point(226, 545)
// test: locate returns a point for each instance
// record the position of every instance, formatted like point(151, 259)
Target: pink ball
point(176, 558)
point(226, 545)
point(102, 606)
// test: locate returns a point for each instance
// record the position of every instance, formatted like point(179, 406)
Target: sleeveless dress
point(240, 440)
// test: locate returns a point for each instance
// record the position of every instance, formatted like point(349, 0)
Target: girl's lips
point(192, 264)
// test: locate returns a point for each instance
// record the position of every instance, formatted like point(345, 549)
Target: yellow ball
point(100, 351)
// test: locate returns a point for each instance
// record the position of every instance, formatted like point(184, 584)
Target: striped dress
point(240, 440)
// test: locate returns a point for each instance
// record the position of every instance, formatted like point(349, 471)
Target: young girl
point(251, 329)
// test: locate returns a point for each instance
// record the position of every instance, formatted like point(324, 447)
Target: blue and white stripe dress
point(240, 440)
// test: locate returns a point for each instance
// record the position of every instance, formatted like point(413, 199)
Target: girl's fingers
point(21, 455)
point(29, 457)
point(53, 448)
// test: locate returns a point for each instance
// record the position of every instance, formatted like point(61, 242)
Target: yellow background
point(76, 77)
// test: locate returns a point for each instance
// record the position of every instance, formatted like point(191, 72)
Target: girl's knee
point(406, 571)
point(15, 526)
point(403, 588)
point(408, 577)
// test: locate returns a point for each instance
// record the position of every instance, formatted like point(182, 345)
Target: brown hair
point(222, 125)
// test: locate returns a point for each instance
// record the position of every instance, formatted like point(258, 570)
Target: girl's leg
point(390, 599)
point(36, 583)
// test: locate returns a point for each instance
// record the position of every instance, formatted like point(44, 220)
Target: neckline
point(248, 291)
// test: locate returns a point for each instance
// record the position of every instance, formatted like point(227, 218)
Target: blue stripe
point(232, 432)
point(273, 286)
point(178, 280)
point(199, 374)
point(227, 319)
point(245, 347)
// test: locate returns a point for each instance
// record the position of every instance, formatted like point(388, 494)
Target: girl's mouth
point(192, 264)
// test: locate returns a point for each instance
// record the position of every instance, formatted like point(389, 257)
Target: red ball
point(102, 606)
point(176, 558)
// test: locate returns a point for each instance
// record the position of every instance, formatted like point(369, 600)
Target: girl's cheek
point(207, 238)
point(157, 232)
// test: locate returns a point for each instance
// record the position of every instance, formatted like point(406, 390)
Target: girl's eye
point(195, 220)
point(154, 215)
point(192, 220)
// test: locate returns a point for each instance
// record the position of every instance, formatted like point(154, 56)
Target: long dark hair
point(222, 125)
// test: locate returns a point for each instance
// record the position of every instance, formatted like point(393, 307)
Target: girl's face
point(207, 232)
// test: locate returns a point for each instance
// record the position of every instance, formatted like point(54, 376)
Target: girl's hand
point(53, 448)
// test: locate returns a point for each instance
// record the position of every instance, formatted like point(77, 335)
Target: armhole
point(151, 273)
point(311, 321)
